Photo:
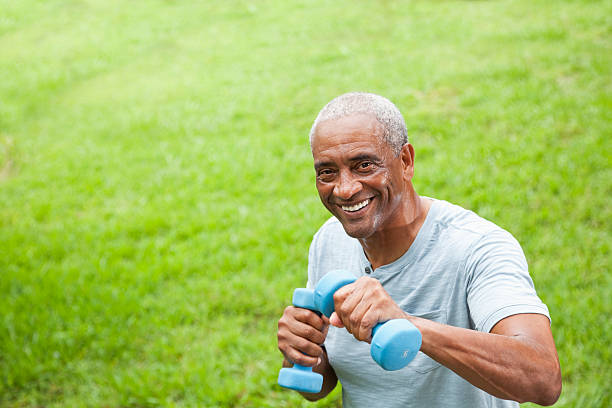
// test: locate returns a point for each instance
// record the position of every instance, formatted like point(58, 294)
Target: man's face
point(359, 178)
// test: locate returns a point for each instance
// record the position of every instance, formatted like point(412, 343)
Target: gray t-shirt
point(461, 270)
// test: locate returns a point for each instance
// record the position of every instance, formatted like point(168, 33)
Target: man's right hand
point(300, 335)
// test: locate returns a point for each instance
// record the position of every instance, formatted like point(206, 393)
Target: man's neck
point(391, 243)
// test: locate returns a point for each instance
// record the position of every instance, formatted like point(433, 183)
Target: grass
point(156, 187)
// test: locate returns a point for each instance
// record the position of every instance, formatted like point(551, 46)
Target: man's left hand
point(361, 305)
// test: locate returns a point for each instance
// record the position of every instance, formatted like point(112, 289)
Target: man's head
point(363, 163)
point(349, 104)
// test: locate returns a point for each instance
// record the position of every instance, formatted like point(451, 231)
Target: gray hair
point(386, 113)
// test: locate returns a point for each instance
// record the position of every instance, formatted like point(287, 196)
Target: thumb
point(334, 320)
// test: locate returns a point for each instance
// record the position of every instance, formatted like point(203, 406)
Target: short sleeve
point(312, 256)
point(499, 284)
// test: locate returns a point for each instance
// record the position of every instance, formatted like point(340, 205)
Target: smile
point(356, 207)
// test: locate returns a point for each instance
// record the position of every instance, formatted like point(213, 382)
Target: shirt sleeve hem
point(511, 310)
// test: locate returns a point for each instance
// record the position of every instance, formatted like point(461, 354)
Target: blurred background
point(157, 194)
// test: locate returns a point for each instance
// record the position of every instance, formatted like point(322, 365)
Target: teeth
point(357, 206)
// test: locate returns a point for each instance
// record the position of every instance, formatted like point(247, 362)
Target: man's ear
point(407, 156)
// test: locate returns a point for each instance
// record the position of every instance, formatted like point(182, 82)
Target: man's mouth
point(356, 207)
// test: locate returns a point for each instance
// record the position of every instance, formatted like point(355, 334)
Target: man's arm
point(517, 360)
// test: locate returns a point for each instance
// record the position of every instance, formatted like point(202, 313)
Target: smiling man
point(461, 280)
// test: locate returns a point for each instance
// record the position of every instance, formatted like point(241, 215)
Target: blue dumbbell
point(394, 343)
point(301, 378)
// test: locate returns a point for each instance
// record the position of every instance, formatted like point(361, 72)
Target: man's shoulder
point(463, 221)
point(465, 232)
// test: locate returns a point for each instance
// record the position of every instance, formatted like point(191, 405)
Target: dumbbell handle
point(299, 377)
point(394, 343)
point(304, 298)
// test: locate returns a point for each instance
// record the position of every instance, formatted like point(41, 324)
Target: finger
point(306, 346)
point(369, 319)
point(340, 296)
point(326, 325)
point(366, 313)
point(308, 332)
point(308, 317)
point(355, 319)
point(346, 308)
point(296, 357)
point(301, 351)
point(334, 320)
point(358, 313)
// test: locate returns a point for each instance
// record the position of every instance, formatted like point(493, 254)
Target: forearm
point(329, 378)
point(508, 367)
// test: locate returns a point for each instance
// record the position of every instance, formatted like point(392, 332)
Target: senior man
point(461, 280)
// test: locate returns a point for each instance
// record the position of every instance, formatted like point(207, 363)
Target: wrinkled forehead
point(358, 126)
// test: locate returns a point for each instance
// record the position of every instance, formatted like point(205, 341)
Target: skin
point(517, 360)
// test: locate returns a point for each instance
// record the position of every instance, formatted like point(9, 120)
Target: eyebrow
point(359, 157)
point(365, 156)
point(321, 164)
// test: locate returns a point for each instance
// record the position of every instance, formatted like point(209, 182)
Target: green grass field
point(157, 195)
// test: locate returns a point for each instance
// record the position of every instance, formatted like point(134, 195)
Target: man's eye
point(365, 165)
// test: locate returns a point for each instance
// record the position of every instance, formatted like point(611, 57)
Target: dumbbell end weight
point(395, 343)
point(300, 378)
point(327, 286)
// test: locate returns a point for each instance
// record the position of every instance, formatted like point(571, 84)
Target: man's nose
point(347, 186)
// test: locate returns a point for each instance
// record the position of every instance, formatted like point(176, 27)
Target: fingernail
point(319, 361)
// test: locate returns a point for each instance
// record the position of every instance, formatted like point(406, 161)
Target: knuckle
point(304, 315)
point(285, 349)
point(375, 284)
point(367, 280)
point(365, 326)
point(344, 309)
point(317, 324)
point(341, 293)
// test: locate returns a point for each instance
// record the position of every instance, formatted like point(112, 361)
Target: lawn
point(157, 195)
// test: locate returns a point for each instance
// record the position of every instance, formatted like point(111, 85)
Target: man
point(461, 280)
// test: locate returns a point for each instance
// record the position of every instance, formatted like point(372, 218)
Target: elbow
point(549, 398)
point(552, 395)
point(311, 397)
point(549, 390)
